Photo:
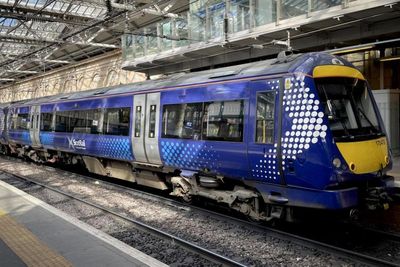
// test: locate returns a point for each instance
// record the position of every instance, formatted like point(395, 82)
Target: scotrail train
point(266, 138)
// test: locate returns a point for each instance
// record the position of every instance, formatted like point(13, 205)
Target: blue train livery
point(265, 138)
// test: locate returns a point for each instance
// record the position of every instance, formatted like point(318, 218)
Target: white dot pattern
point(307, 125)
point(189, 155)
point(267, 166)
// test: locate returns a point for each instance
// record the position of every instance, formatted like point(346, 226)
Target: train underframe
point(246, 198)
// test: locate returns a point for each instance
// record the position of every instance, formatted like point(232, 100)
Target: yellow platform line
point(27, 246)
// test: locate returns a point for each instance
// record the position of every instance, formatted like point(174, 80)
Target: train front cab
point(359, 150)
point(333, 148)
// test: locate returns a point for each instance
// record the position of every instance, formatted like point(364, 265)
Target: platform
point(34, 233)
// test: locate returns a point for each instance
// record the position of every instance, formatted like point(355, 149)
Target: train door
point(264, 131)
point(146, 112)
point(152, 128)
point(35, 125)
point(139, 108)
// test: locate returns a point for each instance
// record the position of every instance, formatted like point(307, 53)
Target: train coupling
point(377, 198)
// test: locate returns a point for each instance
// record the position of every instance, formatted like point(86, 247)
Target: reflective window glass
point(22, 121)
point(116, 121)
point(46, 122)
point(223, 121)
point(182, 121)
point(265, 117)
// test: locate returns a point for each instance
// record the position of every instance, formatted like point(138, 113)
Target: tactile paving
point(27, 246)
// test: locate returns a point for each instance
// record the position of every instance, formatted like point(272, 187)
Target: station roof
point(41, 35)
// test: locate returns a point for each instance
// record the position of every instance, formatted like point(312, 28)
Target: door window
point(265, 117)
point(138, 121)
point(152, 121)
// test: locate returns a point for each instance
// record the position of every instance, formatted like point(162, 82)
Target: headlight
point(387, 160)
point(336, 162)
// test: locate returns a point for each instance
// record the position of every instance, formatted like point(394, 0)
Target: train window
point(152, 121)
point(138, 121)
point(182, 121)
point(22, 121)
point(78, 121)
point(92, 120)
point(116, 121)
point(63, 121)
point(46, 122)
point(265, 117)
point(223, 121)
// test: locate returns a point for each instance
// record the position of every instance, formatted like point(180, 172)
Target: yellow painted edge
point(326, 71)
point(27, 246)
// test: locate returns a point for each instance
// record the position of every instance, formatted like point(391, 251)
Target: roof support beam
point(41, 17)
point(152, 11)
point(22, 71)
point(34, 11)
point(31, 40)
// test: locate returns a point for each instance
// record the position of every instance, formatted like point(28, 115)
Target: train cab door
point(264, 131)
point(34, 118)
point(146, 112)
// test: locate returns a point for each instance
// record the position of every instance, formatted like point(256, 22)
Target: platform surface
point(34, 233)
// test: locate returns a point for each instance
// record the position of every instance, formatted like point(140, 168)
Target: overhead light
point(351, 49)
point(389, 58)
point(6, 79)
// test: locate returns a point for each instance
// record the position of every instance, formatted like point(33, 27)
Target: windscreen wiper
point(332, 111)
point(367, 119)
point(346, 131)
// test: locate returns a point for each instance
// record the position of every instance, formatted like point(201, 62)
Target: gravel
point(233, 240)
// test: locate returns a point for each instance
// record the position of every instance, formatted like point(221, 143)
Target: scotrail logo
point(77, 143)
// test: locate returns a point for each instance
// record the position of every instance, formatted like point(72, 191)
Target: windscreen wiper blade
point(368, 120)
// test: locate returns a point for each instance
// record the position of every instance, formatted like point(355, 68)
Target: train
point(300, 131)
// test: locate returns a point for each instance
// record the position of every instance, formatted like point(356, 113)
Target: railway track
point(214, 257)
point(205, 253)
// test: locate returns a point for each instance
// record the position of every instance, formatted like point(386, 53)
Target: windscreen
point(349, 108)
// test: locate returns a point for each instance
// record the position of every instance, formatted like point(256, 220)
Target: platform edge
point(130, 251)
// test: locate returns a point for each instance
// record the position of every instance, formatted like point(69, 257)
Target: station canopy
point(41, 35)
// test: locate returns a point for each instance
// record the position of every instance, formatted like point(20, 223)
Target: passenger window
point(46, 122)
point(223, 121)
point(152, 121)
point(265, 117)
point(116, 121)
point(138, 121)
point(93, 118)
point(182, 121)
point(63, 121)
point(22, 121)
point(78, 122)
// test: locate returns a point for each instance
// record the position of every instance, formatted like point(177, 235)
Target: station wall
point(101, 71)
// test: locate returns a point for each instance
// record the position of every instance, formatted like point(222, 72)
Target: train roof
point(283, 64)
